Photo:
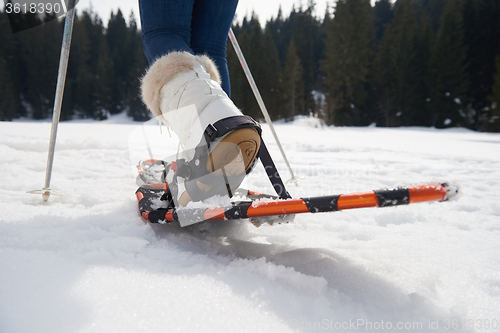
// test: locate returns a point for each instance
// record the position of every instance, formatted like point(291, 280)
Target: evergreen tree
point(425, 40)
point(103, 83)
point(349, 51)
point(102, 66)
point(292, 82)
point(236, 75)
point(383, 15)
point(270, 84)
point(397, 68)
point(81, 71)
point(9, 63)
point(137, 67)
point(116, 37)
point(434, 9)
point(99, 95)
point(448, 69)
point(40, 51)
point(281, 30)
point(252, 47)
point(8, 100)
point(494, 122)
point(306, 35)
point(482, 31)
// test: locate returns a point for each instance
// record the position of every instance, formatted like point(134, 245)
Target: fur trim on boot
point(210, 67)
point(166, 69)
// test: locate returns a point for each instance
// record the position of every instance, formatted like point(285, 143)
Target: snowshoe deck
point(261, 207)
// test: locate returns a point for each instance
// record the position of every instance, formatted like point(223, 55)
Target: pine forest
point(395, 63)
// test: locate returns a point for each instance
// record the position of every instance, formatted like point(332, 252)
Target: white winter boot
point(219, 144)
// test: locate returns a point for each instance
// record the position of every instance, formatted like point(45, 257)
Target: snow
point(86, 262)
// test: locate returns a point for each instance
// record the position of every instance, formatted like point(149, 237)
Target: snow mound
point(86, 262)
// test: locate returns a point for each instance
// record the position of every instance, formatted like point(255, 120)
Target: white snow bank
point(85, 262)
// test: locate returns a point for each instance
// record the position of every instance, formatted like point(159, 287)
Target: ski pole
point(256, 92)
point(61, 79)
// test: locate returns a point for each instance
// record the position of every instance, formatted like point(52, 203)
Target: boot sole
point(235, 153)
point(232, 156)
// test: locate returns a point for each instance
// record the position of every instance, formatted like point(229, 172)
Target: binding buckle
point(211, 133)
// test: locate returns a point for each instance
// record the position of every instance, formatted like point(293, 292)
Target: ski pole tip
point(45, 192)
point(295, 180)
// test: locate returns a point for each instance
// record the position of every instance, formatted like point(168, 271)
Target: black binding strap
point(220, 128)
point(195, 169)
point(226, 125)
point(272, 172)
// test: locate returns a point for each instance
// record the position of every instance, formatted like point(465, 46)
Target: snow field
point(85, 261)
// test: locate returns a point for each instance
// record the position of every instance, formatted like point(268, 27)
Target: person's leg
point(219, 144)
point(210, 26)
point(166, 27)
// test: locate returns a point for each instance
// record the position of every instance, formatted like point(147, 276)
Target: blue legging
point(195, 26)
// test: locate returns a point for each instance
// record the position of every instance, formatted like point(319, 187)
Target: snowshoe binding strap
point(272, 172)
point(197, 176)
point(226, 125)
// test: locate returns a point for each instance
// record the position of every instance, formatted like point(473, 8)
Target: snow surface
point(86, 262)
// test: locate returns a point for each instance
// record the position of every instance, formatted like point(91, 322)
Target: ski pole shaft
point(61, 79)
point(256, 92)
